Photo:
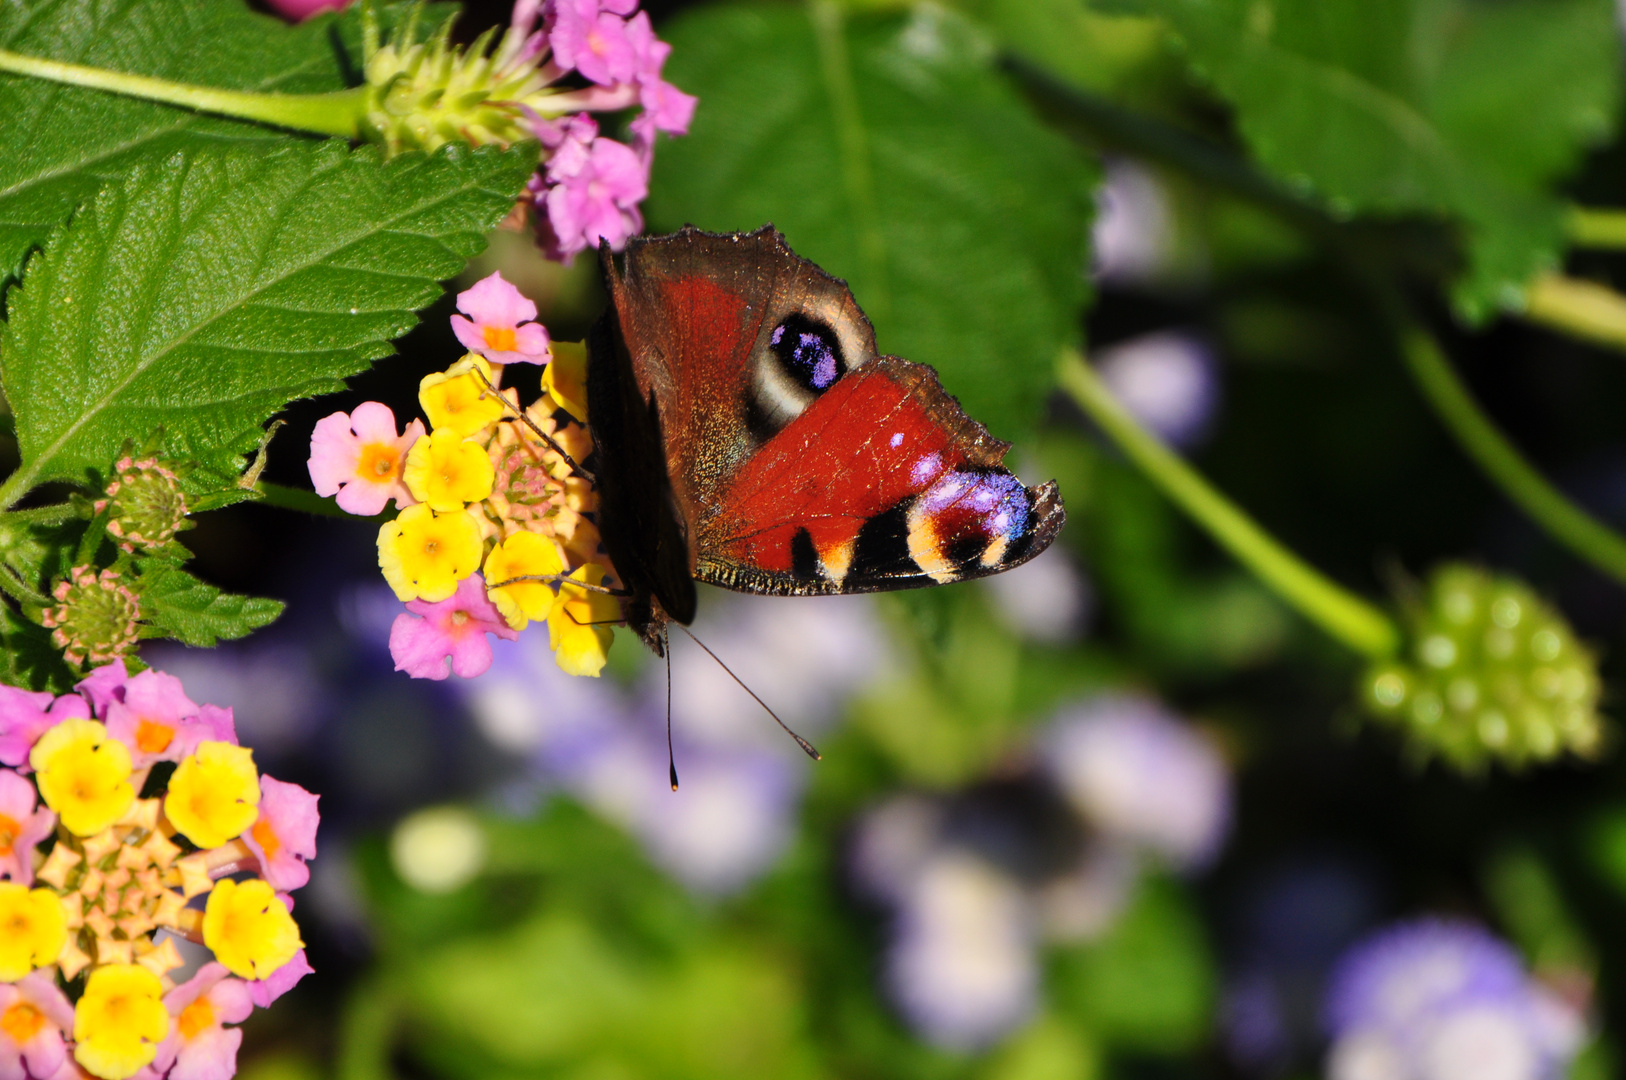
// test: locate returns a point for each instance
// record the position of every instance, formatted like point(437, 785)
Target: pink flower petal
point(339, 452)
point(103, 686)
point(25, 716)
point(335, 453)
point(264, 991)
point(493, 301)
point(453, 629)
point(289, 812)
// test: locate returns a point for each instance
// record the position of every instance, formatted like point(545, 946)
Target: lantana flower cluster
point(130, 817)
point(558, 62)
point(495, 525)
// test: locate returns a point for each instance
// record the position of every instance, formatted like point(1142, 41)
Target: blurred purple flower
point(1167, 380)
point(1134, 235)
point(1443, 999)
point(1142, 777)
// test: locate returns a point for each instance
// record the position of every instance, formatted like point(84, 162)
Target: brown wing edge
point(1046, 517)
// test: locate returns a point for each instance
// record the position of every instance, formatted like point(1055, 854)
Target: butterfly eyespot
point(808, 351)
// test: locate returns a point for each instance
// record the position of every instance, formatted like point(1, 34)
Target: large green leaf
point(893, 154)
point(206, 291)
point(62, 143)
point(176, 604)
point(1469, 109)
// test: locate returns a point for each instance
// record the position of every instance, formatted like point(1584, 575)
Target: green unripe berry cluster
point(1490, 673)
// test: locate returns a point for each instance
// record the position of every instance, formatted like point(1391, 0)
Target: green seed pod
point(145, 505)
point(1490, 673)
point(96, 617)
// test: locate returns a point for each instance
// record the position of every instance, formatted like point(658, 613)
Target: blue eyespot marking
point(808, 351)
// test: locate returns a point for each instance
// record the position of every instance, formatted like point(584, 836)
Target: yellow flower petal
point(457, 400)
point(446, 471)
point(578, 626)
point(521, 555)
point(33, 929)
point(249, 929)
point(565, 378)
point(214, 794)
point(424, 554)
point(119, 1021)
point(84, 775)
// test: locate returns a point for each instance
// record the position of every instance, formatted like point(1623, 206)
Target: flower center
point(266, 837)
point(459, 618)
point(21, 1022)
point(196, 1018)
point(153, 738)
point(500, 338)
point(9, 828)
point(378, 460)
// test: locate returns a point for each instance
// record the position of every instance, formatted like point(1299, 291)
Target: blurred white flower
point(438, 849)
point(961, 965)
point(1046, 599)
point(1083, 903)
point(1167, 380)
point(892, 844)
point(1142, 777)
point(1133, 239)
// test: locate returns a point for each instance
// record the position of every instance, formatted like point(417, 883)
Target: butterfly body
point(749, 436)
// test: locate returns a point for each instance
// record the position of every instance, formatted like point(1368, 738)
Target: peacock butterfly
point(748, 436)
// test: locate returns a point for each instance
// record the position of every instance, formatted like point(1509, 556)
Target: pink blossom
point(666, 108)
point(285, 834)
point(502, 330)
point(33, 1008)
point(359, 458)
point(592, 41)
point(454, 628)
point(300, 10)
point(103, 686)
point(279, 982)
point(158, 722)
point(25, 716)
point(591, 192)
point(198, 1046)
point(23, 824)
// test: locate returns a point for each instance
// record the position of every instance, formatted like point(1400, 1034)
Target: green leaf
point(63, 143)
point(1469, 109)
point(27, 657)
point(178, 605)
point(894, 155)
point(207, 291)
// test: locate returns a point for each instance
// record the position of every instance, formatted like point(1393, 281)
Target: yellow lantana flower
point(119, 1021)
point(33, 929)
point(424, 554)
point(214, 794)
point(578, 647)
point(84, 775)
point(249, 929)
point(522, 555)
point(564, 380)
point(457, 400)
point(445, 471)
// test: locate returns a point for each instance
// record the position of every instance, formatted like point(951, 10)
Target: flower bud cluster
point(144, 504)
point(130, 817)
point(495, 528)
point(1491, 673)
point(96, 617)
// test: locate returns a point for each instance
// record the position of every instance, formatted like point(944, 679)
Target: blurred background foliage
point(1240, 207)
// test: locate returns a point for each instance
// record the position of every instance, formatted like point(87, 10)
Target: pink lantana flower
point(103, 686)
point(666, 108)
point(300, 10)
point(158, 722)
point(285, 834)
point(198, 1046)
point(360, 458)
point(502, 331)
point(591, 186)
point(592, 41)
point(33, 1016)
point(23, 824)
point(264, 991)
point(454, 629)
point(25, 716)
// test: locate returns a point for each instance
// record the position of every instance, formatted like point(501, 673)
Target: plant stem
point(1347, 617)
point(1592, 228)
point(1582, 309)
point(339, 113)
point(1479, 437)
point(308, 502)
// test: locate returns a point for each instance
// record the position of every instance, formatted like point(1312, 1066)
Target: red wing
point(882, 482)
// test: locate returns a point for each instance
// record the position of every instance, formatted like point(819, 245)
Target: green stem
point(1591, 228)
point(1503, 464)
point(339, 113)
point(1339, 612)
point(308, 502)
point(1582, 309)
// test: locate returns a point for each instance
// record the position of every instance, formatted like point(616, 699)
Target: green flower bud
point(145, 506)
point(95, 619)
point(1490, 673)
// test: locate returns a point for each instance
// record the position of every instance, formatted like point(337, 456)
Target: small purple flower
point(453, 629)
point(199, 1046)
point(502, 330)
point(284, 836)
point(103, 686)
point(1167, 380)
point(592, 41)
point(591, 188)
point(23, 824)
point(666, 108)
point(25, 716)
point(264, 991)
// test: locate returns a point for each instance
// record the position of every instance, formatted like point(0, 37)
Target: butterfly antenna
point(528, 422)
point(671, 758)
point(806, 746)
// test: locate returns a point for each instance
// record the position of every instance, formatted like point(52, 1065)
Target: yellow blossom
point(522, 555)
point(424, 554)
point(33, 929)
point(214, 794)
point(579, 647)
point(119, 1021)
point(565, 378)
point(445, 471)
point(84, 775)
point(249, 929)
point(457, 400)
